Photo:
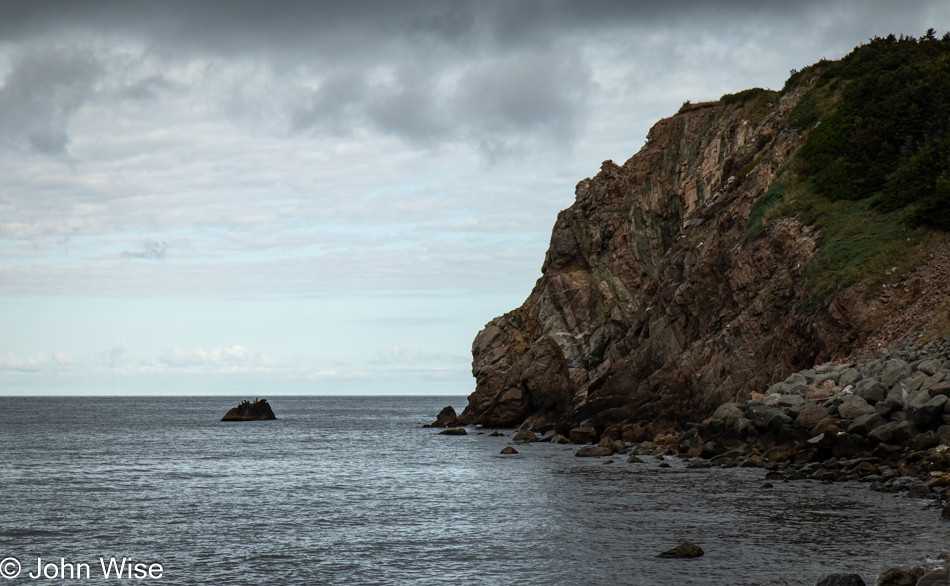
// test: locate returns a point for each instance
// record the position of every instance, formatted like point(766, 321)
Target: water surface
point(350, 490)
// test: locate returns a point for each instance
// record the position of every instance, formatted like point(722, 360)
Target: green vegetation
point(886, 138)
point(874, 172)
point(762, 205)
point(756, 103)
point(749, 95)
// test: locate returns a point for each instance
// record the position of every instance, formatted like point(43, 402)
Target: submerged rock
point(454, 431)
point(896, 577)
point(259, 410)
point(683, 550)
point(938, 577)
point(508, 450)
point(593, 451)
point(841, 580)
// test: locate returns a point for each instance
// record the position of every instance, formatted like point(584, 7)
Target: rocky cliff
point(661, 297)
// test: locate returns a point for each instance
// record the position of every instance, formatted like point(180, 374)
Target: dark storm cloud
point(40, 93)
point(495, 73)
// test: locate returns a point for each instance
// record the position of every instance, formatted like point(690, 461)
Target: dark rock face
point(650, 307)
point(247, 411)
point(683, 550)
point(445, 418)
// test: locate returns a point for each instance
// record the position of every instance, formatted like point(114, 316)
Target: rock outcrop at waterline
point(655, 303)
point(257, 411)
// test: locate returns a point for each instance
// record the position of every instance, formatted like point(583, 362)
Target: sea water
point(351, 490)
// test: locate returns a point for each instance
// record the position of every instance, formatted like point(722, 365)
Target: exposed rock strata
point(651, 305)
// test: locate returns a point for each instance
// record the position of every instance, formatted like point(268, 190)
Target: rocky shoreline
point(882, 421)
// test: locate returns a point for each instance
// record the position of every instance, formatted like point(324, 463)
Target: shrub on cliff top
point(874, 172)
point(887, 136)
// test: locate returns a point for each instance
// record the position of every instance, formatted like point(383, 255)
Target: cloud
point(235, 357)
point(40, 93)
point(113, 357)
point(332, 375)
point(39, 362)
point(151, 249)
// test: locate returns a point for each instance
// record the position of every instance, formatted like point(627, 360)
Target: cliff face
point(652, 304)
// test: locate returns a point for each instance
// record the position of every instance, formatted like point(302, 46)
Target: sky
point(270, 198)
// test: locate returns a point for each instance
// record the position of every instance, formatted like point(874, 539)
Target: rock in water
point(509, 450)
point(247, 411)
point(945, 513)
point(938, 577)
point(593, 452)
point(896, 577)
point(841, 580)
point(683, 550)
point(445, 418)
point(455, 431)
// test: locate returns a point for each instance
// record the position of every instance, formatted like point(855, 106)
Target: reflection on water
point(351, 490)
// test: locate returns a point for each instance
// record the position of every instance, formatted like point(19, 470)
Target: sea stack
point(247, 411)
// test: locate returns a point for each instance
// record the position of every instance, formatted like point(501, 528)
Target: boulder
point(593, 452)
point(883, 433)
point(896, 577)
point(894, 370)
point(902, 432)
point(938, 577)
point(683, 550)
point(583, 435)
point(853, 407)
point(933, 381)
point(872, 393)
point(915, 382)
point(849, 377)
point(826, 424)
point(259, 410)
point(767, 417)
point(822, 391)
point(559, 439)
point(929, 413)
point(930, 367)
point(525, 436)
point(848, 445)
point(841, 580)
point(790, 400)
point(445, 418)
point(811, 416)
point(923, 441)
point(454, 431)
point(798, 379)
point(866, 424)
point(507, 450)
point(938, 388)
point(725, 410)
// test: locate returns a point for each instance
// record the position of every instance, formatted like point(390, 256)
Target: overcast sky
point(265, 198)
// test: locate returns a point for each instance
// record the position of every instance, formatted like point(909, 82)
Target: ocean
point(351, 490)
